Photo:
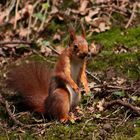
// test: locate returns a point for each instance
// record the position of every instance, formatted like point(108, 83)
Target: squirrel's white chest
point(74, 97)
point(75, 70)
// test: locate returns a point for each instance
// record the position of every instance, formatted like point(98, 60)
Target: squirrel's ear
point(83, 30)
point(72, 33)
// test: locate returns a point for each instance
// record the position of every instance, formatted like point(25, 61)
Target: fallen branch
point(10, 114)
point(54, 50)
point(15, 42)
point(16, 12)
point(17, 122)
point(132, 15)
point(9, 10)
point(123, 103)
point(93, 76)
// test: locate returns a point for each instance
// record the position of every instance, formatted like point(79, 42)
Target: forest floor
point(112, 112)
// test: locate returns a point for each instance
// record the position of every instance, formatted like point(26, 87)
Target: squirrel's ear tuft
point(83, 30)
point(72, 33)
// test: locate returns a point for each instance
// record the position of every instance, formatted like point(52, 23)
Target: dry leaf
point(102, 1)
point(1, 52)
point(79, 110)
point(138, 4)
point(27, 10)
point(59, 49)
point(56, 2)
point(54, 10)
point(95, 49)
point(100, 105)
point(100, 23)
point(23, 32)
point(91, 109)
point(2, 16)
point(91, 84)
point(45, 50)
point(103, 27)
point(120, 80)
point(83, 6)
point(57, 37)
point(88, 18)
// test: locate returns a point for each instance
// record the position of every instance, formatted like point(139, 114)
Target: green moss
point(126, 62)
point(123, 136)
point(108, 38)
point(60, 131)
point(128, 38)
point(137, 135)
point(3, 138)
point(117, 19)
point(24, 136)
point(70, 4)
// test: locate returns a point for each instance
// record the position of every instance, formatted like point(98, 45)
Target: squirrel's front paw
point(88, 92)
point(77, 90)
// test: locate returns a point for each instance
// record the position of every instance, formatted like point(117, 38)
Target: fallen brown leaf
point(83, 6)
point(100, 105)
point(45, 50)
point(57, 37)
point(91, 13)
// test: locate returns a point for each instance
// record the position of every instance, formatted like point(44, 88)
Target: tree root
point(123, 103)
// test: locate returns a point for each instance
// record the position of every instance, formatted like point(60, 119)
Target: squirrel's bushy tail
point(32, 82)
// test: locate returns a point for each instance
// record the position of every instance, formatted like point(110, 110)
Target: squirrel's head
point(78, 44)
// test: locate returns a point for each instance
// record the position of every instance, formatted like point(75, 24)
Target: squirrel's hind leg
point(58, 105)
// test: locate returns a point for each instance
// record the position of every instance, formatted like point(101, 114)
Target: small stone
point(102, 133)
point(107, 127)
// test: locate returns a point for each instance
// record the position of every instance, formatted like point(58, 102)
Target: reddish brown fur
point(57, 104)
point(32, 81)
point(54, 93)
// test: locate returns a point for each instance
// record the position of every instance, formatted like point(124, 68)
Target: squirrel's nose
point(83, 55)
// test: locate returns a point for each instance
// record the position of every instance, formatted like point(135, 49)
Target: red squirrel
point(54, 93)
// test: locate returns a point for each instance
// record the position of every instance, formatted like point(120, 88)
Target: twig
point(36, 19)
point(81, 132)
point(1, 99)
point(29, 23)
point(11, 6)
point(16, 11)
point(15, 42)
point(93, 76)
point(43, 57)
point(123, 103)
point(6, 132)
point(11, 115)
point(113, 113)
point(43, 124)
point(126, 117)
point(136, 91)
point(117, 87)
point(132, 15)
point(5, 103)
point(34, 6)
point(43, 22)
point(54, 50)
